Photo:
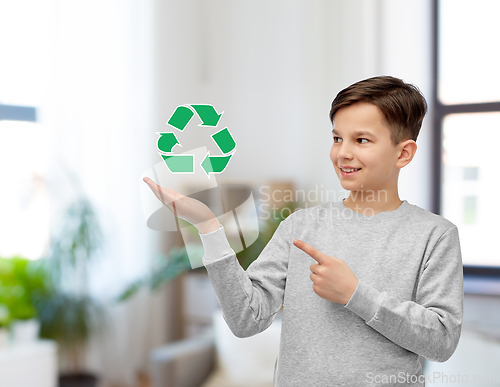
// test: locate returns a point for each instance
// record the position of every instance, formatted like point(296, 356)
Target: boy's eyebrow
point(357, 133)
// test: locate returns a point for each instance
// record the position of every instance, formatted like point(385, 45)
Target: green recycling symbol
point(185, 163)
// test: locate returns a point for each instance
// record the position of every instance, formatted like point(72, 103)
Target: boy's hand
point(333, 279)
point(184, 207)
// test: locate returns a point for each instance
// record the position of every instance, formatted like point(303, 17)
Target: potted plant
point(67, 313)
point(22, 281)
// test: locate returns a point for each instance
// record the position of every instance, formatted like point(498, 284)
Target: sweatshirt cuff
point(365, 301)
point(216, 245)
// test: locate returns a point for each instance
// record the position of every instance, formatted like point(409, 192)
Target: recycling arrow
point(215, 164)
point(183, 114)
point(207, 114)
point(180, 163)
point(184, 163)
point(167, 141)
point(224, 141)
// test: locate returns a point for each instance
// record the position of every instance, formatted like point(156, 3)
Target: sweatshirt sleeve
point(249, 299)
point(430, 326)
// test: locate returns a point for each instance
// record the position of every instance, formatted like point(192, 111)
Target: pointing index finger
point(311, 251)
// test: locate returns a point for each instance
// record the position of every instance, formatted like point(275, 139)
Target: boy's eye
point(336, 139)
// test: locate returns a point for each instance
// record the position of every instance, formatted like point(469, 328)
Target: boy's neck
point(360, 203)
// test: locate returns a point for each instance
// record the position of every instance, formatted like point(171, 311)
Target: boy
point(367, 284)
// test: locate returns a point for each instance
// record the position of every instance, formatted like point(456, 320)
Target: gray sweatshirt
point(408, 302)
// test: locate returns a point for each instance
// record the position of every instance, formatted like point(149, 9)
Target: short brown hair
point(402, 104)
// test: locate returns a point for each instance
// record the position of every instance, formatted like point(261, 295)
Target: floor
point(218, 379)
point(142, 381)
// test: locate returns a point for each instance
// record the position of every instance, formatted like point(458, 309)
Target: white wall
point(406, 52)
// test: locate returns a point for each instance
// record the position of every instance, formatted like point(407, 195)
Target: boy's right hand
point(189, 209)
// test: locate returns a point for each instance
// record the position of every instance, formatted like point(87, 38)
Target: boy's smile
point(361, 141)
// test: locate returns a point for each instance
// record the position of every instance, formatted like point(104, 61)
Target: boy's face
point(372, 151)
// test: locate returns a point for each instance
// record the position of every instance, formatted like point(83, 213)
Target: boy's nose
point(344, 152)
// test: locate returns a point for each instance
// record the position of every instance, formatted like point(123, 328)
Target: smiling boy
point(367, 284)
point(371, 153)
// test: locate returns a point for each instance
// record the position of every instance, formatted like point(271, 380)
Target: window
point(24, 203)
point(467, 121)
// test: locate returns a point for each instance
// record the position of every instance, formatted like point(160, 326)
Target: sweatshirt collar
point(367, 216)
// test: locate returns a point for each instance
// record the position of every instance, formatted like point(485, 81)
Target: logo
point(185, 163)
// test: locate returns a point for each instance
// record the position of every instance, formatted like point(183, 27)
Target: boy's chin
point(352, 189)
point(351, 186)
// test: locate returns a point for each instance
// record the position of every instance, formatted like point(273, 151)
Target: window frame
point(440, 112)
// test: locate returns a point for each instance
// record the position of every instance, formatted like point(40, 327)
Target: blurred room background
point(90, 295)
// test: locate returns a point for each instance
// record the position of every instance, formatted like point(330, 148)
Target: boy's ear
point(407, 150)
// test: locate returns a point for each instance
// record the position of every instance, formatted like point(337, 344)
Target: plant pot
point(78, 380)
point(25, 331)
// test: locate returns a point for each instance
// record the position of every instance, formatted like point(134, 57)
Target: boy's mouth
point(347, 172)
point(349, 169)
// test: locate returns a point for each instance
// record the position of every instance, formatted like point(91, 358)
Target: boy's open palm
point(184, 207)
point(333, 279)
